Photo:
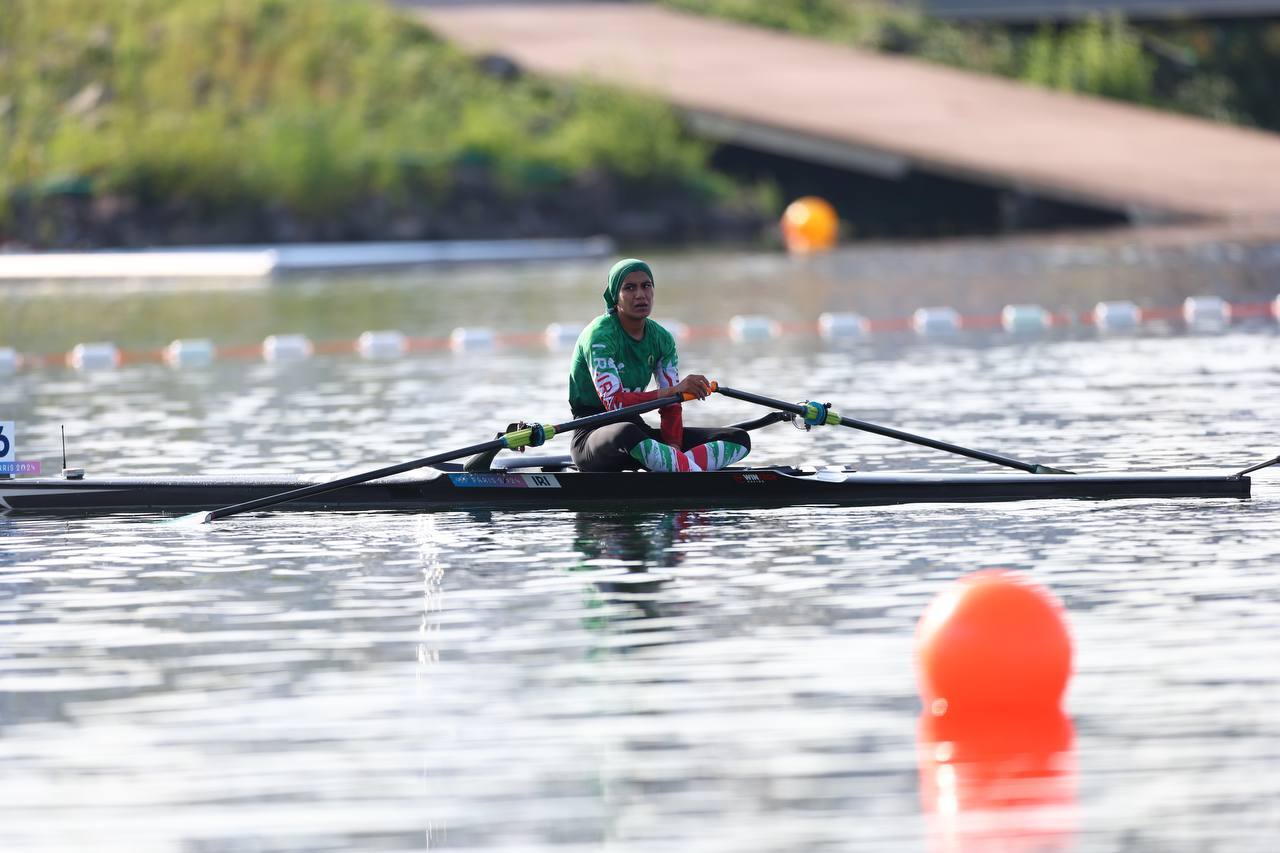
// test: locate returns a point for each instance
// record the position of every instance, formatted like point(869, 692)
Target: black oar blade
point(1046, 469)
point(193, 519)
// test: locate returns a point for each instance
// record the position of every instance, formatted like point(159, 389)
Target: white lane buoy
point(96, 356)
point(842, 325)
point(287, 348)
point(745, 328)
point(1206, 313)
point(8, 359)
point(191, 352)
point(678, 330)
point(935, 322)
point(1024, 319)
point(1118, 316)
point(386, 343)
point(561, 336)
point(471, 338)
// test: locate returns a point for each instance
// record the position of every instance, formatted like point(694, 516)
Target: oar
point(816, 413)
point(528, 437)
point(1259, 466)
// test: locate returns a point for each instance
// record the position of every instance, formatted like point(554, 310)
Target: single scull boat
point(438, 483)
point(548, 482)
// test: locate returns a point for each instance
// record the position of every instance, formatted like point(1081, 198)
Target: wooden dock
point(887, 115)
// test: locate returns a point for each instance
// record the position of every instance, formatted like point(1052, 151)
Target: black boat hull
point(525, 488)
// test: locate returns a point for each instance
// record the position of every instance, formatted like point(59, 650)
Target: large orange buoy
point(993, 640)
point(810, 224)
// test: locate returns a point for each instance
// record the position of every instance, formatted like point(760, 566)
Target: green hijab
point(621, 270)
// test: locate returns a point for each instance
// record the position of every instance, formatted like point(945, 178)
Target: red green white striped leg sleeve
point(712, 456)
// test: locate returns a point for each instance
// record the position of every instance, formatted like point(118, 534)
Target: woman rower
point(613, 361)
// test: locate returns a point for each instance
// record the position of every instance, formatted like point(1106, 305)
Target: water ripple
point(720, 680)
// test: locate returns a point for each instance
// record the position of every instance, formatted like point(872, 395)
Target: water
point(719, 680)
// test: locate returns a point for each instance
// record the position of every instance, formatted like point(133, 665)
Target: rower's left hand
point(695, 384)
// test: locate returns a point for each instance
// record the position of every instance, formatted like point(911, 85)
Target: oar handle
point(687, 396)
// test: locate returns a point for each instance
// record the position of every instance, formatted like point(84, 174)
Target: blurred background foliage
point(1222, 70)
point(134, 122)
point(309, 106)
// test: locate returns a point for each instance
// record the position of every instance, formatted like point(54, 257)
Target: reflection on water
point(633, 541)
point(727, 679)
point(992, 783)
point(626, 556)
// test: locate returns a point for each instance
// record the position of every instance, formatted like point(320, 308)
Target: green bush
point(1103, 57)
point(307, 104)
point(1097, 57)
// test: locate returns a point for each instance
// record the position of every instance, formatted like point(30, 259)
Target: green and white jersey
point(610, 367)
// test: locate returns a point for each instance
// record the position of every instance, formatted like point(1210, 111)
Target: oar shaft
point(618, 414)
point(889, 432)
point(448, 456)
point(354, 479)
point(1260, 466)
point(947, 447)
point(760, 400)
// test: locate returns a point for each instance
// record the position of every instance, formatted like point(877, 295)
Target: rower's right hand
point(695, 385)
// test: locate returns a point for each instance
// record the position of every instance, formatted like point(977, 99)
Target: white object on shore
point(471, 339)
point(8, 359)
point(746, 328)
point(191, 352)
point(834, 325)
point(386, 343)
point(287, 348)
point(261, 261)
point(939, 322)
point(311, 257)
point(1024, 319)
point(212, 264)
point(1206, 313)
point(1119, 316)
point(102, 355)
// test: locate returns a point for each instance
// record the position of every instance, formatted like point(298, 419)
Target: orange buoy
point(810, 224)
point(993, 640)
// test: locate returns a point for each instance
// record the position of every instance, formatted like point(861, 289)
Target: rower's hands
point(695, 385)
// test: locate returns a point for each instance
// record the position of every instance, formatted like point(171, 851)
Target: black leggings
point(608, 448)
